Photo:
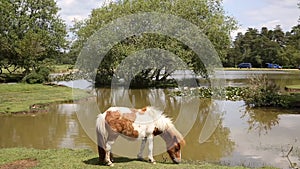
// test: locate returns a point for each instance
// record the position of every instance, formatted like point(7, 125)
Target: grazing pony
point(136, 124)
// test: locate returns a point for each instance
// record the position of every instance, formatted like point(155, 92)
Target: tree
point(208, 15)
point(234, 54)
point(30, 32)
point(245, 47)
point(292, 49)
point(266, 46)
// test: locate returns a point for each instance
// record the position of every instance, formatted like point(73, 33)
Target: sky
point(263, 13)
point(248, 13)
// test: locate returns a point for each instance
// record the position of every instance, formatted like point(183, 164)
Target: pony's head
point(174, 142)
point(174, 151)
point(166, 129)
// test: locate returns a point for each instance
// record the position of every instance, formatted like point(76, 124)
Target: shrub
point(40, 75)
point(263, 92)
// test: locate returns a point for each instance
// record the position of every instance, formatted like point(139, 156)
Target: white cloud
point(77, 9)
point(263, 13)
point(283, 12)
point(68, 2)
point(234, 33)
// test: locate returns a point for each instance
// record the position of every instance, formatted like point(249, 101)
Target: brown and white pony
point(136, 124)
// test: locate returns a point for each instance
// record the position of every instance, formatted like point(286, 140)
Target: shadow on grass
point(95, 161)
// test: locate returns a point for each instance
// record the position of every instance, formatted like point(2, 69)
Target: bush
point(40, 75)
point(263, 92)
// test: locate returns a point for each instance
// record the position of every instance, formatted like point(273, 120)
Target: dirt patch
point(20, 164)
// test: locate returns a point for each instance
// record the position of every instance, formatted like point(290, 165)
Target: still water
point(280, 77)
point(225, 132)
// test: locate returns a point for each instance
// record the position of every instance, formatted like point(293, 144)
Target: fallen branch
point(291, 149)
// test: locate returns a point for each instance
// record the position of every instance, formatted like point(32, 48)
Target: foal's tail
point(102, 135)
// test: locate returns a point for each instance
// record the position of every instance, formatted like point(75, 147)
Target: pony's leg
point(140, 154)
point(150, 146)
point(109, 143)
point(102, 154)
point(107, 155)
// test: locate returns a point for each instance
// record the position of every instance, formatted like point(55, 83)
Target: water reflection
point(254, 149)
point(58, 128)
point(132, 98)
point(217, 146)
point(262, 119)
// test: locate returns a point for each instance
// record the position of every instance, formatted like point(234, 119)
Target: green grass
point(67, 158)
point(62, 68)
point(19, 97)
point(17, 71)
point(262, 69)
point(293, 87)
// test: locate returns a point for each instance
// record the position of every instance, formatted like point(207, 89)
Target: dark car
point(245, 65)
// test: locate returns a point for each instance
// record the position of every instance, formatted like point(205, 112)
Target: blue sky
point(248, 13)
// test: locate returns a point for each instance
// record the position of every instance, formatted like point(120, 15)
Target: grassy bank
point(262, 69)
point(66, 158)
point(293, 87)
point(29, 97)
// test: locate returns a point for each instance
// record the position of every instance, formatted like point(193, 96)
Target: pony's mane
point(162, 122)
point(177, 134)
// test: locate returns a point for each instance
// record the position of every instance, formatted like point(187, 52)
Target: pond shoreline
point(22, 99)
point(84, 158)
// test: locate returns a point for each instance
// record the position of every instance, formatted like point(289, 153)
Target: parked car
point(275, 66)
point(245, 65)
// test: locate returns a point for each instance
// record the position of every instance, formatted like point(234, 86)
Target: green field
point(73, 159)
point(21, 97)
point(261, 69)
point(296, 87)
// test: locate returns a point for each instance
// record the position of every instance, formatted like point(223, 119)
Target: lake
point(225, 132)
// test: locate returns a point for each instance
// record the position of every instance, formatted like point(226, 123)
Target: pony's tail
point(102, 135)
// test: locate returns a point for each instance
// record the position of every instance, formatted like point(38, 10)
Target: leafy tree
point(266, 46)
point(208, 15)
point(292, 49)
point(235, 55)
point(30, 32)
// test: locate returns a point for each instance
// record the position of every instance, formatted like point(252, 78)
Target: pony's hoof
point(110, 164)
point(152, 161)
